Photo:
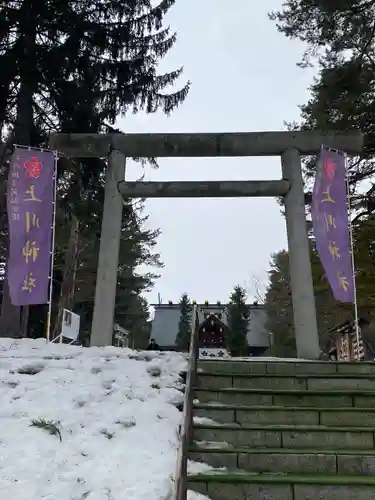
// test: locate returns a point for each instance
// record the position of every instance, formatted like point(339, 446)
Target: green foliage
point(364, 246)
point(340, 40)
point(279, 306)
point(49, 426)
point(184, 325)
point(238, 321)
point(136, 248)
point(80, 64)
point(73, 68)
point(329, 312)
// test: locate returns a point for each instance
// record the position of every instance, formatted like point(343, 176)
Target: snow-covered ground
point(88, 424)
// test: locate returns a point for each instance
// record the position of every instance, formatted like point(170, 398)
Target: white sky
point(244, 78)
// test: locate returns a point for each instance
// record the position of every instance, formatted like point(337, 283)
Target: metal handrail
point(180, 485)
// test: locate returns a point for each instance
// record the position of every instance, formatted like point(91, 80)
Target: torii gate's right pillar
point(305, 324)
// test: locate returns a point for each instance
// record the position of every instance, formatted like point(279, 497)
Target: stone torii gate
point(288, 145)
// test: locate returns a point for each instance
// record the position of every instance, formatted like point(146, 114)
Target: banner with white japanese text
point(30, 199)
point(329, 214)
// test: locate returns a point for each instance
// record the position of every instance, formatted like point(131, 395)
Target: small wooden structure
point(212, 332)
point(345, 344)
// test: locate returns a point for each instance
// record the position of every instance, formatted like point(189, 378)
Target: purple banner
point(329, 213)
point(30, 213)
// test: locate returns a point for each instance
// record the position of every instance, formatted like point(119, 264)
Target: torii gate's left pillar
point(106, 279)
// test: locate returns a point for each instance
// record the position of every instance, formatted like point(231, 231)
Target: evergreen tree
point(75, 67)
point(58, 48)
point(329, 312)
point(136, 248)
point(238, 321)
point(364, 259)
point(340, 41)
point(279, 306)
point(184, 325)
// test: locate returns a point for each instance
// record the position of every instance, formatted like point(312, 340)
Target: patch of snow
point(204, 421)
point(214, 403)
point(213, 444)
point(114, 410)
point(198, 467)
point(192, 495)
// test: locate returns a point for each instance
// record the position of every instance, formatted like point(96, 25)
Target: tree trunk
point(66, 300)
point(10, 314)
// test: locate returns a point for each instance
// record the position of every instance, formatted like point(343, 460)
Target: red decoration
point(330, 168)
point(33, 168)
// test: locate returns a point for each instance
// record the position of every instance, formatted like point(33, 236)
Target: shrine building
point(213, 327)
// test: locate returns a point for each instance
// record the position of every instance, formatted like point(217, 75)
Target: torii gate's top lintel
point(197, 145)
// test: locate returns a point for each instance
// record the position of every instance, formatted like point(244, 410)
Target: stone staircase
point(285, 430)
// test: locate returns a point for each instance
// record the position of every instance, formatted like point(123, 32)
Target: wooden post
point(106, 279)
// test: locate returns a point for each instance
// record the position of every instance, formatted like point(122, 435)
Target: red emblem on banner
point(330, 168)
point(33, 168)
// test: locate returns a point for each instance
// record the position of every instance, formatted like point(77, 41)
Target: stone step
point(299, 415)
point(354, 462)
point(270, 397)
point(285, 436)
point(252, 365)
point(222, 380)
point(249, 486)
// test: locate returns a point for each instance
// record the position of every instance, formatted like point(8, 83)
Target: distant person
point(153, 346)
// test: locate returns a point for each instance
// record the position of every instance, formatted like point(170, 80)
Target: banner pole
point(352, 257)
point(52, 257)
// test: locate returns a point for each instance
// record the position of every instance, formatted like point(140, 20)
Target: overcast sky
point(244, 78)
